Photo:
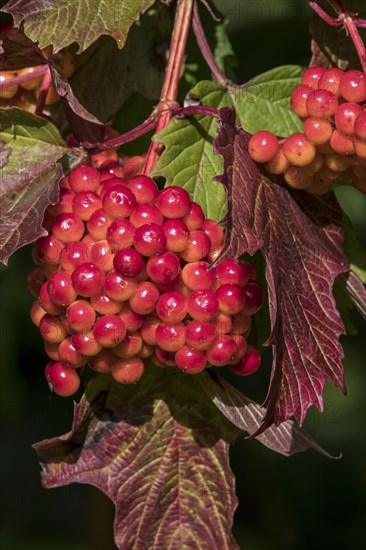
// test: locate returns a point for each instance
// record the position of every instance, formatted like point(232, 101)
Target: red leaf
point(159, 450)
point(302, 244)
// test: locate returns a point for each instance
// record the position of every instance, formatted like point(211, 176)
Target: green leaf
point(66, 21)
point(189, 162)
point(30, 149)
point(159, 450)
point(354, 250)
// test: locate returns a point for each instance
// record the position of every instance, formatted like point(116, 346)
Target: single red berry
point(80, 316)
point(37, 312)
point(321, 104)
point(163, 268)
point(120, 234)
point(173, 202)
point(342, 144)
point(85, 204)
point(202, 305)
point(311, 76)
point(190, 361)
point(172, 307)
point(46, 301)
point(119, 201)
point(263, 146)
point(51, 329)
point(84, 178)
point(62, 379)
point(253, 298)
point(298, 100)
point(150, 239)
point(145, 213)
point(130, 346)
point(248, 364)
point(195, 217)
point(241, 347)
point(148, 330)
point(132, 320)
point(177, 235)
point(98, 224)
point(298, 149)
point(64, 203)
point(73, 255)
point(231, 271)
point(88, 280)
point(144, 189)
point(196, 276)
point(345, 117)
point(231, 298)
point(128, 371)
point(47, 250)
point(145, 298)
point(222, 351)
point(118, 287)
point(170, 337)
point(128, 262)
point(105, 305)
point(198, 247)
point(60, 289)
point(317, 130)
point(330, 80)
point(200, 335)
point(68, 227)
point(353, 86)
point(85, 343)
point(102, 255)
point(109, 330)
point(68, 354)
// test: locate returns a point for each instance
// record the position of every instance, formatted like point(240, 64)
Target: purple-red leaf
point(286, 439)
point(159, 450)
point(302, 246)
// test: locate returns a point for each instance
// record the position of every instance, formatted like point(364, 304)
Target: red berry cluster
point(124, 275)
point(332, 147)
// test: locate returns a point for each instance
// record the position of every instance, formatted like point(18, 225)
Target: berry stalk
point(169, 91)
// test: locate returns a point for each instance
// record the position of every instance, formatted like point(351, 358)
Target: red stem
point(46, 83)
point(131, 135)
point(195, 110)
point(173, 70)
point(323, 14)
point(25, 77)
point(356, 39)
point(205, 47)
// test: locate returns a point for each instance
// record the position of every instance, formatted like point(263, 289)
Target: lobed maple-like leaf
point(159, 450)
point(301, 239)
point(286, 439)
point(83, 21)
point(30, 149)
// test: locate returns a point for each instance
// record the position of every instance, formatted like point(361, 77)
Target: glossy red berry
point(321, 104)
point(222, 351)
point(68, 227)
point(128, 262)
point(176, 234)
point(231, 271)
point(144, 189)
point(197, 248)
point(88, 280)
point(62, 379)
point(120, 234)
point(263, 146)
point(144, 300)
point(85, 343)
point(196, 276)
point(47, 250)
point(330, 80)
point(149, 239)
point(145, 213)
point(173, 202)
point(85, 204)
point(68, 354)
point(231, 298)
point(84, 178)
point(317, 130)
point(163, 268)
point(298, 149)
point(128, 371)
point(172, 307)
point(105, 305)
point(118, 287)
point(130, 347)
point(202, 305)
point(190, 361)
point(73, 255)
point(248, 364)
point(80, 316)
point(51, 329)
point(119, 201)
point(253, 297)
point(195, 217)
point(345, 117)
point(109, 330)
point(298, 100)
point(60, 289)
point(201, 335)
point(353, 86)
point(98, 224)
point(170, 337)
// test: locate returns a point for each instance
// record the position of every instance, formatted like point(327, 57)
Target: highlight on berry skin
point(331, 105)
point(123, 280)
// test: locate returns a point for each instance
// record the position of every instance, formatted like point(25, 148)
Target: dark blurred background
point(306, 501)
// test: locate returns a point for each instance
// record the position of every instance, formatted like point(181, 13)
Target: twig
point(131, 135)
point(356, 39)
point(25, 77)
point(195, 110)
point(324, 15)
point(173, 70)
point(205, 48)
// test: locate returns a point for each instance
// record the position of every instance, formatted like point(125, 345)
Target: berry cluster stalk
point(169, 91)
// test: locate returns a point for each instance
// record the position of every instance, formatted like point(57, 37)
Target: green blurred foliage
point(298, 503)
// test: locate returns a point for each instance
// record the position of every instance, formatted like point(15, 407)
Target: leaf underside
point(159, 450)
point(83, 21)
point(30, 149)
point(301, 240)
